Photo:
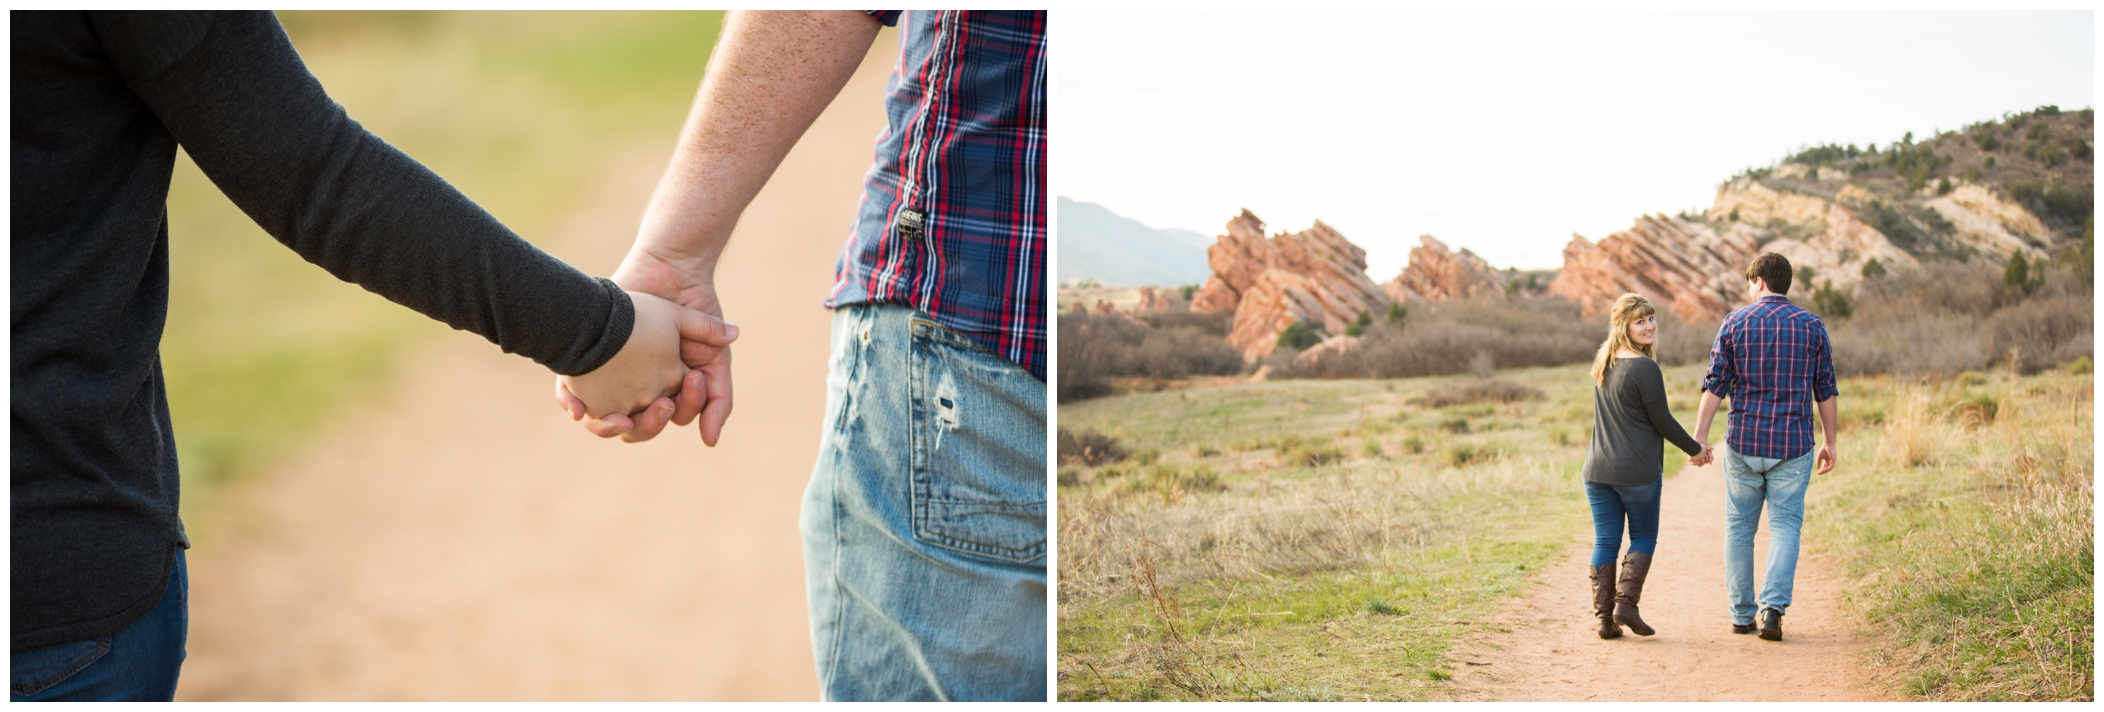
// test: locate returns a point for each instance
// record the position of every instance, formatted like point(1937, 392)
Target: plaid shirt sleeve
point(1718, 380)
point(1822, 363)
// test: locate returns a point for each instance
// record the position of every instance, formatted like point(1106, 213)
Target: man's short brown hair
point(1771, 268)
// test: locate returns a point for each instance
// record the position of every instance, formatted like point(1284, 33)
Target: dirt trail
point(459, 538)
point(1552, 651)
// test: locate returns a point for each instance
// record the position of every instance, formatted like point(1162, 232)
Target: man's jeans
point(1748, 483)
point(924, 523)
point(137, 664)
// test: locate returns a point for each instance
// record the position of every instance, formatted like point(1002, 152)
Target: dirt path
point(1552, 651)
point(458, 538)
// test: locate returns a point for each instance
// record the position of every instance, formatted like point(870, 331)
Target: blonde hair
point(1628, 308)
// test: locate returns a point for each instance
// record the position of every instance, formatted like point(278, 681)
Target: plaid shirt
point(952, 220)
point(1773, 360)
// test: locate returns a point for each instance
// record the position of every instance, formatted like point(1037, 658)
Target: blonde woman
point(1623, 467)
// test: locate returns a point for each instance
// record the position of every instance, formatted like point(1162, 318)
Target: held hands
point(1704, 458)
point(706, 389)
point(658, 362)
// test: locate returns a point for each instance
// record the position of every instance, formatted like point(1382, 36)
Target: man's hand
point(692, 344)
point(1830, 424)
point(1703, 459)
point(772, 73)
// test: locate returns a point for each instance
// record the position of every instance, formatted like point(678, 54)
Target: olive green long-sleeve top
point(1631, 425)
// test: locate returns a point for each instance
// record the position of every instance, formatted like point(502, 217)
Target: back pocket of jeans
point(978, 450)
point(34, 671)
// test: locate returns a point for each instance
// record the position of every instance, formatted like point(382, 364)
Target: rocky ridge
point(1315, 276)
point(1438, 273)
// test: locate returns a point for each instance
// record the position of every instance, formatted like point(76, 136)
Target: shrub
point(2054, 200)
point(1946, 318)
point(1872, 269)
point(1094, 348)
point(1974, 410)
point(1481, 390)
point(1298, 336)
point(1442, 338)
point(1831, 303)
point(1089, 447)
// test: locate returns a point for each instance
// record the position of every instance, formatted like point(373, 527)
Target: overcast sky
point(1507, 132)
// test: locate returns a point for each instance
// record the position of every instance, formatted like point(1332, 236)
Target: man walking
point(924, 521)
point(1774, 361)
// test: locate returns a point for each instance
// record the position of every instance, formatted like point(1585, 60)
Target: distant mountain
point(1095, 243)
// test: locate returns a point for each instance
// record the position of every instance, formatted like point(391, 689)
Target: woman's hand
point(650, 367)
point(1703, 458)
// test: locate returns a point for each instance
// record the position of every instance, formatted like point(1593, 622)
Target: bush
point(1830, 303)
point(1442, 338)
point(2055, 201)
point(1094, 348)
point(1949, 318)
point(1089, 447)
point(1481, 390)
point(1298, 336)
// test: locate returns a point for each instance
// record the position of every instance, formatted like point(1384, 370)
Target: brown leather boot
point(1635, 565)
point(1604, 600)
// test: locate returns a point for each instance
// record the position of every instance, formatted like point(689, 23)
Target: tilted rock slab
point(1437, 273)
point(1677, 263)
point(1315, 276)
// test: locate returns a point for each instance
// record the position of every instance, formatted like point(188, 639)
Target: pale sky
point(1507, 132)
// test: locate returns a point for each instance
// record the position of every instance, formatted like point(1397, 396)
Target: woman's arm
point(1651, 387)
point(232, 91)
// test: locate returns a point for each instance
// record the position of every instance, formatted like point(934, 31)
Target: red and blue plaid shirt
point(1773, 361)
point(952, 220)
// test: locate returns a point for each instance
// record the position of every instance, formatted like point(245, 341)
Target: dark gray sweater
point(1631, 426)
point(100, 102)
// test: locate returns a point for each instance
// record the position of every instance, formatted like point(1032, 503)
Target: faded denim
point(924, 522)
point(1750, 482)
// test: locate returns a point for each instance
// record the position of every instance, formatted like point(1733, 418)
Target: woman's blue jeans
point(1614, 505)
point(137, 664)
point(924, 524)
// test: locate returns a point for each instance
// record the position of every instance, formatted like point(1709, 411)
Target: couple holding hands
point(924, 521)
point(1775, 362)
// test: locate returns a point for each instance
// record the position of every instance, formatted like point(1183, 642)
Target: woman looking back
point(1624, 464)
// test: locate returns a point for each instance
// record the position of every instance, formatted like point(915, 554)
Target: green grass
point(1974, 566)
point(521, 111)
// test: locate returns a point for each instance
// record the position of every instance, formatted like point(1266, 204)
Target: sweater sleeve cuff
point(620, 320)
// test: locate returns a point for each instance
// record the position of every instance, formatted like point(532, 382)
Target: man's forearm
point(770, 76)
point(1704, 414)
point(1829, 418)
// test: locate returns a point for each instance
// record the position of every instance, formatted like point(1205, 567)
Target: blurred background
point(386, 509)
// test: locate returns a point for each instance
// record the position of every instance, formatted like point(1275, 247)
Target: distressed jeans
point(1750, 482)
point(924, 522)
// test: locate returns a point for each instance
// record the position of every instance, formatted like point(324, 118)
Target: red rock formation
point(1314, 276)
point(1678, 263)
point(1437, 273)
point(1157, 299)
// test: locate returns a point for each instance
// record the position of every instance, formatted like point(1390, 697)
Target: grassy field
point(518, 110)
point(1329, 540)
point(1966, 518)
